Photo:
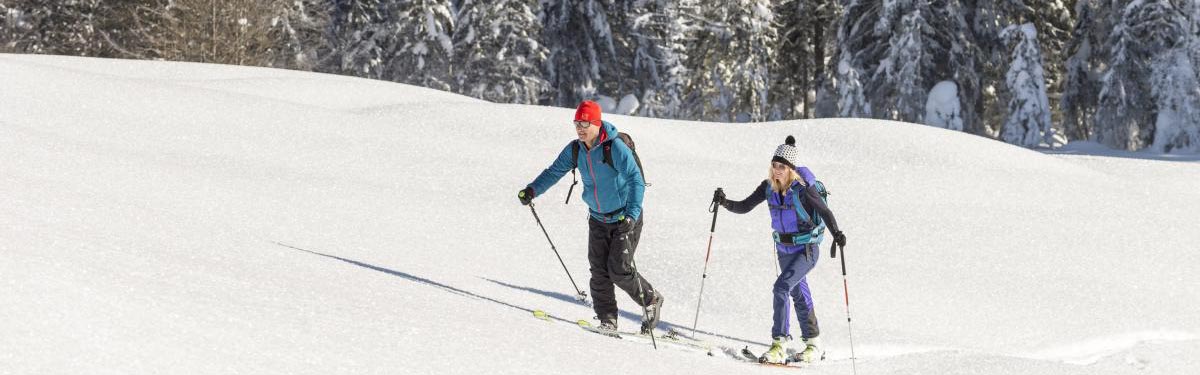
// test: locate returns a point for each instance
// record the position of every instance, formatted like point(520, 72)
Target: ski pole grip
point(715, 208)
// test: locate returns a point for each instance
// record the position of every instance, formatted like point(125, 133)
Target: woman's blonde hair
point(791, 178)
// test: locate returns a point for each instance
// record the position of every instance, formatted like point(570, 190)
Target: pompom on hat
point(786, 153)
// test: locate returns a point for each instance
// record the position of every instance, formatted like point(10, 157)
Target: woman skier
point(799, 216)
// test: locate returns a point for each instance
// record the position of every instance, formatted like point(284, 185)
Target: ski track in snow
point(1090, 351)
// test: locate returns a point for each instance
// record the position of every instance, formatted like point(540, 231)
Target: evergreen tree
point(1053, 21)
point(583, 54)
point(1028, 121)
point(1175, 83)
point(421, 50)
point(297, 34)
point(53, 27)
point(732, 65)
point(799, 69)
point(913, 45)
point(658, 34)
point(852, 102)
point(497, 51)
point(360, 37)
point(989, 18)
point(955, 55)
point(902, 81)
point(1081, 85)
point(1176, 91)
point(860, 48)
point(1126, 116)
point(752, 50)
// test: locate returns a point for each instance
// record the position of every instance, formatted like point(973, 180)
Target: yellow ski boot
point(777, 354)
point(812, 351)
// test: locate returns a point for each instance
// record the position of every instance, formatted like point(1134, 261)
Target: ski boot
point(608, 323)
point(812, 351)
point(653, 310)
point(777, 354)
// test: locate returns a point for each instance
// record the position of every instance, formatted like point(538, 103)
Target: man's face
point(586, 131)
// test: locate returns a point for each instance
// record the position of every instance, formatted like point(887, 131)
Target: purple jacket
point(784, 219)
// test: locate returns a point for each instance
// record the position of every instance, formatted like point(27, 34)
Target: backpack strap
point(608, 159)
point(575, 161)
point(814, 236)
point(800, 212)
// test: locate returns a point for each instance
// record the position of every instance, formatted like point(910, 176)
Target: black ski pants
point(611, 258)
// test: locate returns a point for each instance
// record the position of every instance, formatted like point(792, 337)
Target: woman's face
point(779, 171)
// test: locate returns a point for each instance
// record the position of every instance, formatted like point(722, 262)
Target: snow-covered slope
point(186, 218)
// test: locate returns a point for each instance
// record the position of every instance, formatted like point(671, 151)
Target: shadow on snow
point(554, 295)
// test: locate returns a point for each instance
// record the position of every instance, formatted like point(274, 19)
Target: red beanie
point(588, 111)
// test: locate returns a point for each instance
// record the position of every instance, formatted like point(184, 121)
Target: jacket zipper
point(595, 184)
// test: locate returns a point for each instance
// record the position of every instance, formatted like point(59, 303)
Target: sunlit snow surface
point(185, 218)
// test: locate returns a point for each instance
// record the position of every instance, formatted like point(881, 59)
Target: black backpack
point(606, 160)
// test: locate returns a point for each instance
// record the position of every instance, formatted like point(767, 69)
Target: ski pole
point(846, 292)
point(641, 292)
point(711, 231)
point(579, 294)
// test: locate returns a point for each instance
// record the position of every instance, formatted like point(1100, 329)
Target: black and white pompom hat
point(786, 153)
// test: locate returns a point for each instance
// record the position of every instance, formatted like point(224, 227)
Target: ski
point(751, 357)
point(672, 337)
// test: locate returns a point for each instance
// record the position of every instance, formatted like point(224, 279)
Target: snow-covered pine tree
point(955, 55)
point(297, 34)
point(927, 42)
point(657, 32)
point(1028, 121)
point(705, 85)
point(1125, 118)
point(988, 19)
point(359, 37)
point(1175, 85)
point(860, 48)
point(1176, 93)
point(1053, 21)
point(1080, 86)
point(800, 68)
point(51, 27)
point(730, 61)
point(902, 80)
point(498, 54)
point(747, 58)
point(1195, 31)
point(852, 102)
point(580, 40)
point(421, 52)
point(12, 26)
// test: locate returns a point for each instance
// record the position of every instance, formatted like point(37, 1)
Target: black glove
point(525, 195)
point(719, 197)
point(625, 226)
point(839, 239)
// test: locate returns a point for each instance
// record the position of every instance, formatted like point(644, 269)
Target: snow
point(628, 105)
point(188, 218)
point(607, 103)
point(942, 108)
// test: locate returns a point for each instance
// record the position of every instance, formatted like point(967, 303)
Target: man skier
point(612, 188)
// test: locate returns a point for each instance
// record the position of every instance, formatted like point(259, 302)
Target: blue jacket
point(608, 191)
